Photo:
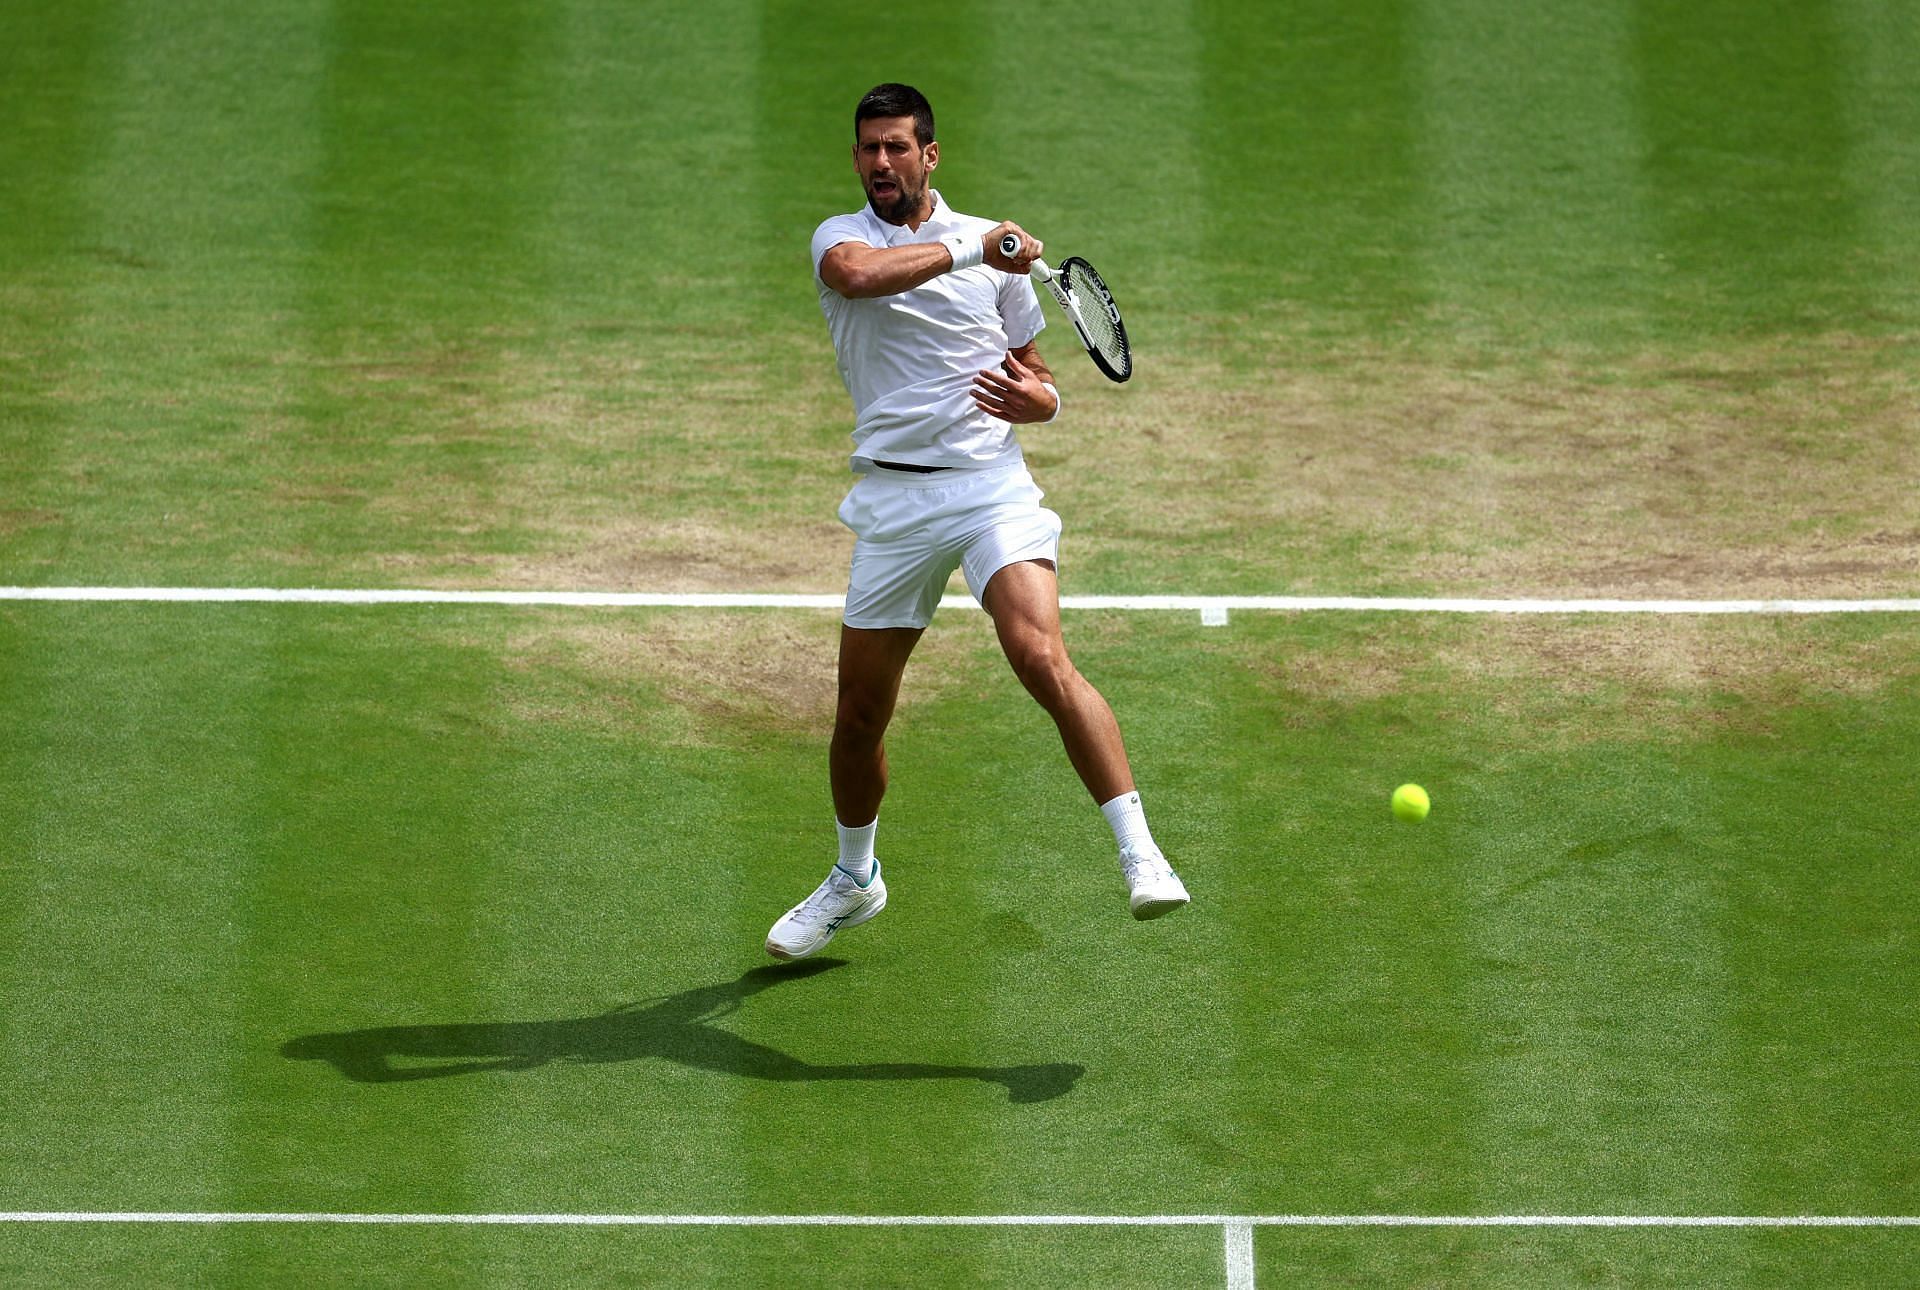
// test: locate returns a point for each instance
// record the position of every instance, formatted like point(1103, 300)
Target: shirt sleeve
point(1020, 310)
point(831, 233)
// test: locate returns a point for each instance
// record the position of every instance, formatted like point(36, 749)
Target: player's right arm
point(861, 272)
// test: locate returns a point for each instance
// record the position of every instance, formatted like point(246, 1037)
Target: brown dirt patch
point(689, 678)
point(1622, 676)
point(1772, 471)
point(19, 519)
point(666, 555)
point(667, 461)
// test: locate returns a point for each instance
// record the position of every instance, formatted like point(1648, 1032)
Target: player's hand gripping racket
point(1089, 306)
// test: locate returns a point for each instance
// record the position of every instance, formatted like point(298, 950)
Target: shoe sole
point(786, 955)
point(1158, 906)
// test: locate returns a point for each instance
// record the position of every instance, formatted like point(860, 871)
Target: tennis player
point(934, 327)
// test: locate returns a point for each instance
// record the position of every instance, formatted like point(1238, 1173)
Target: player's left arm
point(1021, 390)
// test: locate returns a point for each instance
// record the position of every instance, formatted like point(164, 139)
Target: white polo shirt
point(909, 359)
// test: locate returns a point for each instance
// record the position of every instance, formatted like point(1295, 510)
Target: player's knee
point(1047, 673)
point(861, 715)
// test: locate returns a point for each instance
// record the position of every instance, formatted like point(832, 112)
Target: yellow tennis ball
point(1410, 802)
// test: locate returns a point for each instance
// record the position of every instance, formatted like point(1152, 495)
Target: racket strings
point(1099, 315)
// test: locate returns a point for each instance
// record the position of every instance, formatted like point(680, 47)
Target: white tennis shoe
point(1153, 888)
point(837, 903)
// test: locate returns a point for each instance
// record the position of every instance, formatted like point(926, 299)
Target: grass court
point(446, 910)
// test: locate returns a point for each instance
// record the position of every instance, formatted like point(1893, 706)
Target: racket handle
point(1010, 246)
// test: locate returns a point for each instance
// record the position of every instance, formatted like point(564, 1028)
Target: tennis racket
point(1088, 305)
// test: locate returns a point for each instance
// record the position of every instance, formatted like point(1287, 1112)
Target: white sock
point(856, 850)
point(1129, 823)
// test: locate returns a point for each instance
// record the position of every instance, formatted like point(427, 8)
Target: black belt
point(912, 469)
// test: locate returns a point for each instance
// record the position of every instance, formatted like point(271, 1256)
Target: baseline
point(1229, 1221)
point(1213, 609)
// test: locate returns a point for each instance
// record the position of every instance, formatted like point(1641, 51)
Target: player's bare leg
point(1024, 601)
point(871, 664)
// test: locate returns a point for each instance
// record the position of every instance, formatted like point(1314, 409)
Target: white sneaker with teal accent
point(1153, 888)
point(837, 903)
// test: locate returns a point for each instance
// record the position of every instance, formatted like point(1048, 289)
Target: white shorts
point(913, 530)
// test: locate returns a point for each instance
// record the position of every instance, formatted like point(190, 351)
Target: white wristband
point(966, 251)
point(1056, 402)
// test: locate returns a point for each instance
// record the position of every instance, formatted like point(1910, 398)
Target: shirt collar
point(941, 219)
point(942, 215)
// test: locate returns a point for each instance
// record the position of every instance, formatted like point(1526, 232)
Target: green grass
point(352, 294)
point(1428, 299)
point(270, 849)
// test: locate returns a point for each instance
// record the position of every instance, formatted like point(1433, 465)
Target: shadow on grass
point(677, 1028)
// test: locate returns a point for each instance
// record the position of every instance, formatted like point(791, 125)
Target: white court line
point(1239, 1256)
point(1229, 1221)
point(1236, 1229)
point(1211, 608)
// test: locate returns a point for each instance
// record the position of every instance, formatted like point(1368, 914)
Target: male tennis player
point(934, 329)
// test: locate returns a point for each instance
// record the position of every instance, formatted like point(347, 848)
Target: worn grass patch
point(1581, 680)
point(697, 678)
point(1775, 470)
point(686, 678)
point(674, 459)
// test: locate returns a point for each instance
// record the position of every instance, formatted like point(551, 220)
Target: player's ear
point(933, 154)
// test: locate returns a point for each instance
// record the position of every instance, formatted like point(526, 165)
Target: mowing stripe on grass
point(1232, 1222)
point(1211, 608)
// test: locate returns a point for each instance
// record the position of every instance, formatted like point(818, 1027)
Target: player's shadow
point(677, 1028)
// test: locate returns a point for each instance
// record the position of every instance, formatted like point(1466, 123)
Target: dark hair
point(894, 99)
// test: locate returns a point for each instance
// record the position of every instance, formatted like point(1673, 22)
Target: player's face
point(893, 168)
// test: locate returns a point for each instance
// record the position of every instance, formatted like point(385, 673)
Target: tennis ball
point(1410, 802)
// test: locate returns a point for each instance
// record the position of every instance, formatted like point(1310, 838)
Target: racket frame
point(1056, 282)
